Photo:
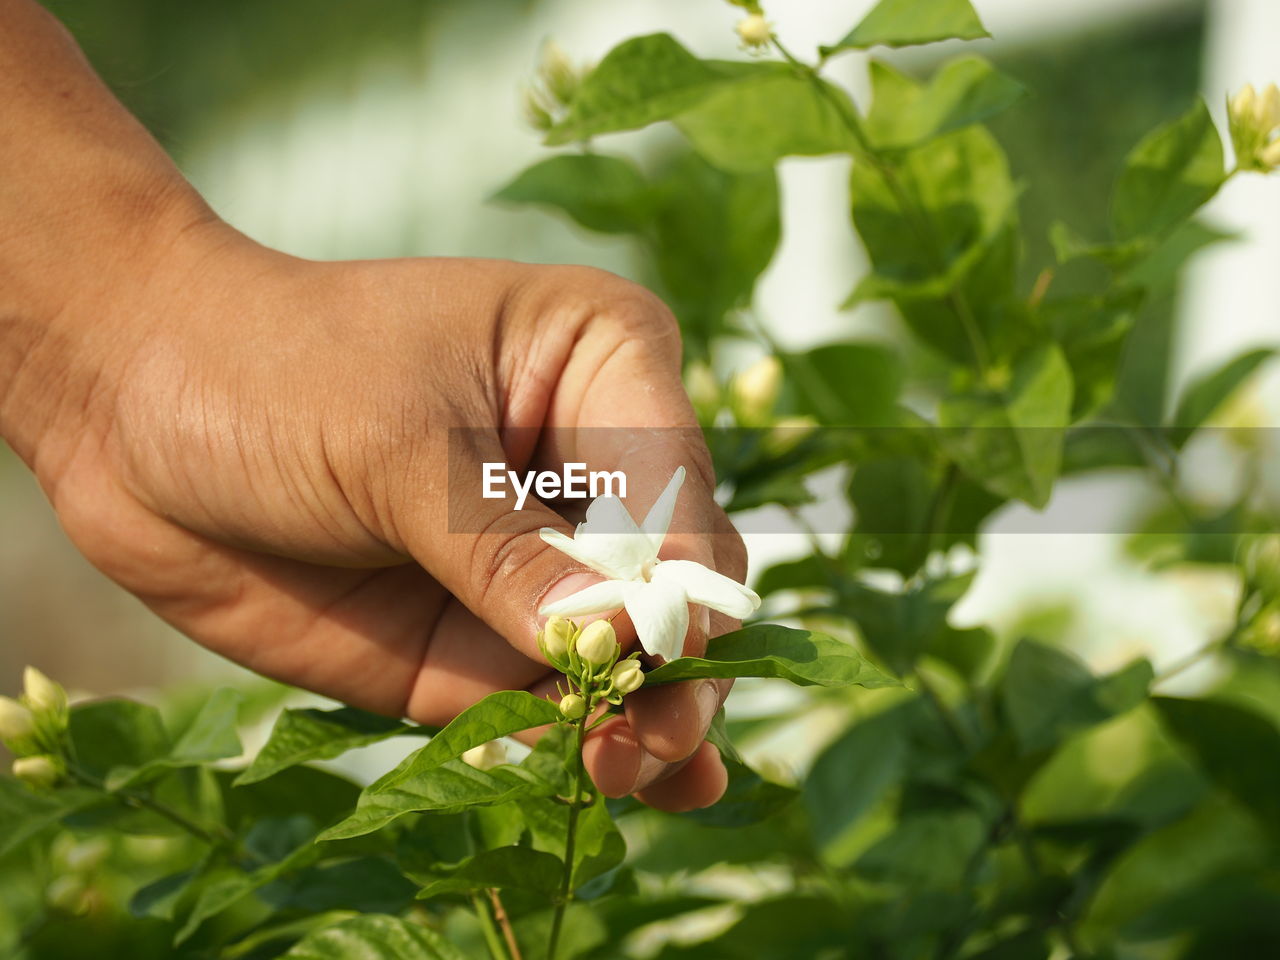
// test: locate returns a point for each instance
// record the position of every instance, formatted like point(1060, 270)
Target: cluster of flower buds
point(588, 657)
point(1254, 120)
point(34, 728)
point(753, 29)
point(555, 84)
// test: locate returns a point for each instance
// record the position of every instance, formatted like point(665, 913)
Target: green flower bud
point(755, 390)
point(627, 677)
point(573, 707)
point(43, 695)
point(16, 721)
point(598, 644)
point(555, 639)
point(37, 771)
point(486, 756)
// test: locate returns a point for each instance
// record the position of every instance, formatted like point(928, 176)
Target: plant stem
point(504, 922)
point(571, 836)
point(221, 837)
point(491, 936)
point(911, 210)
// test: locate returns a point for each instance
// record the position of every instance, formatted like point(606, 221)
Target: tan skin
point(258, 446)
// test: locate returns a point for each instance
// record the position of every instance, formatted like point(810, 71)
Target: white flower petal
point(607, 515)
point(597, 598)
point(705, 586)
point(589, 551)
point(658, 520)
point(613, 541)
point(660, 612)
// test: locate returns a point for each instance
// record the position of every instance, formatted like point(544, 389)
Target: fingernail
point(567, 586)
point(650, 767)
point(707, 696)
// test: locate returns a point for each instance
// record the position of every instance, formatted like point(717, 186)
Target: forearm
point(89, 204)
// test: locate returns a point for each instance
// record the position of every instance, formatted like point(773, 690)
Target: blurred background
point(337, 130)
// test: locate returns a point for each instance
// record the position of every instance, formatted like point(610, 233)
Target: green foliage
point(968, 796)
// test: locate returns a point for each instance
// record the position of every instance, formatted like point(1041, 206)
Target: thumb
point(484, 550)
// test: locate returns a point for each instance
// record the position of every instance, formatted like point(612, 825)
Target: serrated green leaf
point(753, 122)
point(639, 82)
point(769, 650)
point(374, 937)
point(1168, 176)
point(601, 193)
point(965, 91)
point(1010, 441)
point(1206, 394)
point(902, 23)
point(1048, 694)
point(517, 868)
point(433, 779)
point(300, 736)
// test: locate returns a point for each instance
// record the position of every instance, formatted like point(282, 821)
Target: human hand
point(263, 458)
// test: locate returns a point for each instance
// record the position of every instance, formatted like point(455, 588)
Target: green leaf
point(433, 779)
point(517, 868)
point(319, 794)
point(1168, 176)
point(1069, 246)
point(939, 226)
point(300, 736)
point(601, 193)
point(714, 234)
point(900, 626)
point(211, 735)
point(1048, 694)
point(847, 384)
point(901, 23)
point(1206, 395)
point(932, 848)
point(1010, 441)
point(852, 775)
point(752, 123)
point(639, 82)
point(599, 846)
point(769, 650)
point(374, 937)
point(24, 812)
point(965, 91)
point(1092, 332)
point(1235, 746)
point(116, 733)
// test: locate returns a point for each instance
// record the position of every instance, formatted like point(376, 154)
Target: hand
point(264, 459)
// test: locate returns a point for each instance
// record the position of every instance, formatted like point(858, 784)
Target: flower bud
point(555, 638)
point(37, 771)
point(1241, 107)
point(754, 30)
point(703, 388)
point(627, 677)
point(573, 706)
point(486, 756)
point(756, 390)
point(43, 695)
point(558, 74)
point(1270, 155)
point(1266, 109)
point(16, 721)
point(598, 644)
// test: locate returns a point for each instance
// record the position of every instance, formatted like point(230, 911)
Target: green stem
point(575, 807)
point(492, 938)
point(915, 214)
point(221, 837)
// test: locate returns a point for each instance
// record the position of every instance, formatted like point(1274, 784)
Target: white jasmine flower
point(486, 756)
point(656, 593)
